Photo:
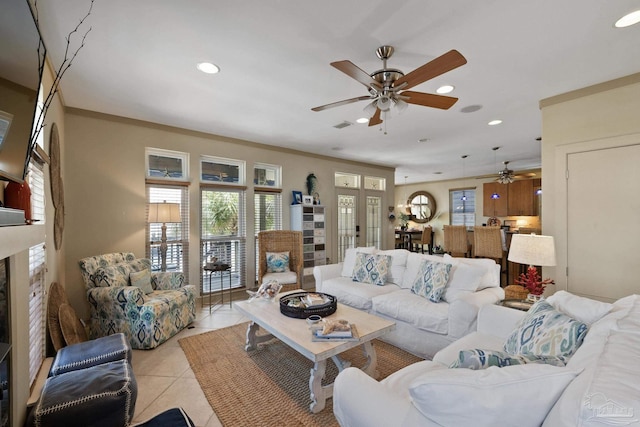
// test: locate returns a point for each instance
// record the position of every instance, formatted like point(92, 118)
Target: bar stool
point(455, 240)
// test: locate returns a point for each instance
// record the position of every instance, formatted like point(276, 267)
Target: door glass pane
point(374, 221)
point(347, 216)
point(223, 235)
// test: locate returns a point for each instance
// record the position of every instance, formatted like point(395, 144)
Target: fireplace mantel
point(15, 239)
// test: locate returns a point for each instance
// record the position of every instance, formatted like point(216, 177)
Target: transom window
point(166, 164)
point(220, 170)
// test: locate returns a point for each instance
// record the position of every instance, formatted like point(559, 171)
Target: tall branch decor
point(69, 55)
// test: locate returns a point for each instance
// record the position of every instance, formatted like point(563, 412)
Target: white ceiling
point(139, 61)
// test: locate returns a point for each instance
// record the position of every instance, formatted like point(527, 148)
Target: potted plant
point(404, 220)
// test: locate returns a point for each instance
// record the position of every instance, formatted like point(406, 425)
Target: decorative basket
point(323, 310)
point(515, 292)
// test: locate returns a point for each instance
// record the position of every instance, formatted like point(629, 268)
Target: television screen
point(20, 74)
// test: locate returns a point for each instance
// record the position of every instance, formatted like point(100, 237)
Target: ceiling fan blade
point(352, 70)
point(447, 62)
point(339, 103)
point(429, 100)
point(375, 119)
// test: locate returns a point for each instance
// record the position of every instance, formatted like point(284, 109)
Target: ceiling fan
point(505, 176)
point(387, 87)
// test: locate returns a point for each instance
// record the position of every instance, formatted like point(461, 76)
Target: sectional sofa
point(599, 386)
point(422, 326)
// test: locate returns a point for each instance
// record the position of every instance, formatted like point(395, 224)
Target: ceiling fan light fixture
point(384, 103)
point(400, 105)
point(370, 109)
point(445, 89)
point(628, 19)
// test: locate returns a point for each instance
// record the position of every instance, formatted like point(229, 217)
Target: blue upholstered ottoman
point(99, 396)
point(174, 417)
point(90, 384)
point(91, 353)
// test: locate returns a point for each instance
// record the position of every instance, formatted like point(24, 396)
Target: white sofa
point(422, 327)
point(599, 386)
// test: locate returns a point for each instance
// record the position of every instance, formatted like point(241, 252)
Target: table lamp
point(164, 213)
point(533, 250)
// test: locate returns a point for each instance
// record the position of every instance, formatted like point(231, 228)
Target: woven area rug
point(268, 386)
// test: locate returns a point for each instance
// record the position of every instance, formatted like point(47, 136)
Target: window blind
point(177, 234)
point(267, 215)
point(37, 268)
point(462, 203)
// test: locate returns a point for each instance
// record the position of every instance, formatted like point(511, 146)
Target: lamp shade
point(164, 212)
point(532, 249)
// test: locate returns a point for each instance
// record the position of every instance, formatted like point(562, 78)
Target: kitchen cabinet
point(516, 199)
point(494, 207)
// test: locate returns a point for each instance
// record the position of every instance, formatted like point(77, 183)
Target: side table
point(518, 304)
point(221, 269)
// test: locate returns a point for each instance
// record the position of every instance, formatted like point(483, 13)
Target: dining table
point(407, 237)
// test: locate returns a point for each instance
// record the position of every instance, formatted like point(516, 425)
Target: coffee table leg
point(370, 368)
point(252, 339)
point(251, 336)
point(318, 393)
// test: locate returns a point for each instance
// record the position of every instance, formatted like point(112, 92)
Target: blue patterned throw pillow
point(277, 262)
point(371, 268)
point(482, 359)
point(543, 331)
point(431, 280)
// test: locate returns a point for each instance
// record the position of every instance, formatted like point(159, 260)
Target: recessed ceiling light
point(437, 173)
point(494, 122)
point(208, 67)
point(362, 120)
point(445, 89)
point(628, 19)
point(423, 139)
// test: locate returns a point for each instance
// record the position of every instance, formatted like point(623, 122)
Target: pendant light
point(495, 194)
point(464, 196)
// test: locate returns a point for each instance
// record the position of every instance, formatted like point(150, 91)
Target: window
point(347, 180)
point(375, 183)
point(374, 221)
point(462, 205)
point(167, 165)
point(219, 170)
point(177, 258)
point(267, 215)
point(267, 175)
point(222, 234)
point(37, 268)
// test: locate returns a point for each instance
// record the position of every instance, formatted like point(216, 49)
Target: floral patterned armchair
point(147, 315)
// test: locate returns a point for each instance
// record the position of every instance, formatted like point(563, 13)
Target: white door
point(603, 216)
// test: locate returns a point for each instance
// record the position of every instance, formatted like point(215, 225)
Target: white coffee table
point(297, 335)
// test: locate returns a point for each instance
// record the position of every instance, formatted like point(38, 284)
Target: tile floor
point(165, 379)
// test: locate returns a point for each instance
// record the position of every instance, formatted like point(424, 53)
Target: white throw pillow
point(585, 310)
point(397, 264)
point(349, 262)
point(491, 276)
point(463, 279)
point(519, 395)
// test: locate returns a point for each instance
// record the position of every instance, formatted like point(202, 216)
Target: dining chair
point(426, 240)
point(488, 242)
point(456, 242)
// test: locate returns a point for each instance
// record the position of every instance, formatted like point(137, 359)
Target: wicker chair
point(456, 242)
point(426, 240)
point(281, 241)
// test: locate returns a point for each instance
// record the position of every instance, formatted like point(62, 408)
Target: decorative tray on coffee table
point(295, 304)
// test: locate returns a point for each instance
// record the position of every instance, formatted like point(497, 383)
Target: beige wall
point(596, 117)
point(105, 186)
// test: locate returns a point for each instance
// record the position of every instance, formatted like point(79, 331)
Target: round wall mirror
point(421, 207)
